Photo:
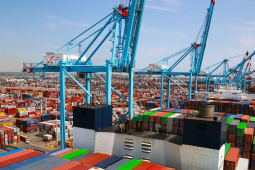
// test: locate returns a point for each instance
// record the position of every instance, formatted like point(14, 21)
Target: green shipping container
point(75, 154)
point(146, 116)
point(227, 147)
point(253, 146)
point(130, 165)
point(140, 117)
point(241, 129)
point(135, 119)
point(252, 119)
point(229, 120)
point(164, 118)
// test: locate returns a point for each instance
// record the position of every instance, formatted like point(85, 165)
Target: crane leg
point(108, 82)
point(62, 107)
point(88, 87)
point(131, 82)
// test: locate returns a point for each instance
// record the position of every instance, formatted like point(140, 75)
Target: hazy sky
point(29, 28)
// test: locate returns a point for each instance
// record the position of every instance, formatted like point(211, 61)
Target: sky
point(30, 28)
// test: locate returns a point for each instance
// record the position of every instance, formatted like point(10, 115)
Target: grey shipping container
point(239, 141)
point(177, 120)
point(239, 116)
point(39, 163)
point(105, 163)
point(233, 126)
point(61, 151)
point(118, 164)
point(52, 165)
point(54, 151)
point(25, 162)
point(82, 156)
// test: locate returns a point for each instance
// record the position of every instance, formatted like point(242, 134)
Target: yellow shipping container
point(7, 124)
point(22, 109)
point(1, 113)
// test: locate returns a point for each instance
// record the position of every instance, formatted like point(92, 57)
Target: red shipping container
point(67, 165)
point(90, 158)
point(176, 129)
point(248, 135)
point(156, 167)
point(133, 126)
point(20, 158)
point(233, 144)
point(229, 110)
point(247, 154)
point(145, 125)
point(245, 119)
point(143, 166)
point(82, 166)
point(100, 159)
point(231, 159)
point(14, 155)
point(231, 137)
point(237, 111)
point(30, 128)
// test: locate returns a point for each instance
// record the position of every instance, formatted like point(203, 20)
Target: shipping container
point(68, 165)
point(108, 162)
point(130, 165)
point(26, 162)
point(52, 165)
point(231, 159)
point(75, 154)
point(118, 164)
point(82, 156)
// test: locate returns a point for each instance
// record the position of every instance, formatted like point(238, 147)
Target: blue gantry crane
point(197, 53)
point(125, 24)
point(232, 76)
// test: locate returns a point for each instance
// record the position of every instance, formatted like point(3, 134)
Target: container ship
point(71, 114)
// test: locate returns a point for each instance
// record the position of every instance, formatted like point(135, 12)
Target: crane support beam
point(131, 11)
point(86, 91)
point(177, 84)
point(83, 32)
point(92, 42)
point(115, 91)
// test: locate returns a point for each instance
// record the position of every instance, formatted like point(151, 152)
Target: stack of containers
point(11, 110)
point(176, 123)
point(47, 138)
point(2, 138)
point(29, 125)
point(247, 145)
point(164, 121)
point(157, 119)
point(240, 136)
point(22, 113)
point(229, 121)
point(16, 133)
point(232, 132)
point(7, 136)
point(252, 163)
point(170, 123)
point(145, 119)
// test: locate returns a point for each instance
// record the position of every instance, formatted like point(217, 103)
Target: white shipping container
point(193, 158)
point(170, 119)
point(243, 164)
